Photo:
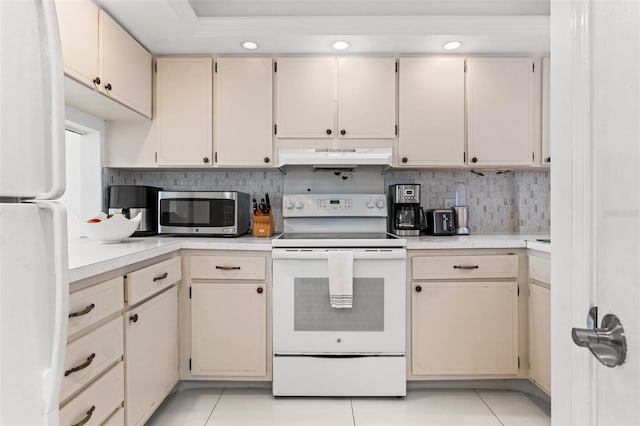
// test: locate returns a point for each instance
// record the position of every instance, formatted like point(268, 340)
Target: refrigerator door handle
point(54, 48)
point(52, 376)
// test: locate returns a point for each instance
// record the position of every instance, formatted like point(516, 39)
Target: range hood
point(334, 158)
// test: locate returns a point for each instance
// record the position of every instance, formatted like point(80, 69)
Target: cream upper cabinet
point(78, 21)
point(431, 112)
point(243, 122)
point(503, 111)
point(336, 98)
point(546, 76)
point(366, 98)
point(305, 97)
point(125, 67)
point(183, 118)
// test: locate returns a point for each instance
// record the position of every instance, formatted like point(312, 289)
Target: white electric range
point(320, 350)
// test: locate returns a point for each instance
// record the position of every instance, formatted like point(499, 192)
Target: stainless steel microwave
point(203, 213)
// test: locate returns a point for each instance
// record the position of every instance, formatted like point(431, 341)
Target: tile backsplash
point(516, 201)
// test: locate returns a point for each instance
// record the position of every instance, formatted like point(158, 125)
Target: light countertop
point(88, 258)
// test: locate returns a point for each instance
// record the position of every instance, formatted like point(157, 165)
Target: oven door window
point(312, 311)
point(189, 212)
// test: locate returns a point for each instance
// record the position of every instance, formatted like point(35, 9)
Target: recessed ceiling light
point(340, 45)
point(250, 45)
point(452, 45)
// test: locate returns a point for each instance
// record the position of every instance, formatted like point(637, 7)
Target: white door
point(595, 202)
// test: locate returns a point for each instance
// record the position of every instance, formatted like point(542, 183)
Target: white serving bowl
point(113, 229)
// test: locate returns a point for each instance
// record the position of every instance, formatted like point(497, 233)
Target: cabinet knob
point(329, 132)
point(259, 290)
point(133, 318)
point(108, 86)
point(205, 160)
point(96, 80)
point(474, 160)
point(405, 159)
point(418, 288)
point(267, 159)
point(547, 160)
point(343, 132)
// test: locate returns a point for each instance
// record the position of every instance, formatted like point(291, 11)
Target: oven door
point(305, 323)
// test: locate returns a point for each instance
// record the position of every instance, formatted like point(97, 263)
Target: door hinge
point(396, 130)
point(518, 362)
point(275, 67)
point(215, 67)
point(275, 129)
point(396, 66)
point(189, 292)
point(189, 364)
point(533, 67)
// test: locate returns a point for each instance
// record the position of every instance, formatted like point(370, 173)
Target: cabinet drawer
point(90, 355)
point(98, 401)
point(464, 267)
point(228, 267)
point(92, 304)
point(540, 269)
point(152, 279)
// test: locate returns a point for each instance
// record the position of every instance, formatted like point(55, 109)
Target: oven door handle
point(358, 254)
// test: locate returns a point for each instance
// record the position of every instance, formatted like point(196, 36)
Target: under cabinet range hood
point(328, 158)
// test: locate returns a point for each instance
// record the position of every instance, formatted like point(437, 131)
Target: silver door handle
point(607, 343)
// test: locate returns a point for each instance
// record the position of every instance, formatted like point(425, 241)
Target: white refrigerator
point(33, 236)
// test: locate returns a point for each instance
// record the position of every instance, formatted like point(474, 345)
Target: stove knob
point(299, 204)
point(371, 204)
point(288, 204)
point(380, 204)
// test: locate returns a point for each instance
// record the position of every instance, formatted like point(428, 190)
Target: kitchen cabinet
point(540, 321)
point(431, 112)
point(327, 98)
point(183, 119)
point(546, 94)
point(101, 55)
point(243, 121)
point(228, 313)
point(503, 111)
point(151, 341)
point(464, 315)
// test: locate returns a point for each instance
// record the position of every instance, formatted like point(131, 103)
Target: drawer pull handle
point(228, 268)
point(87, 418)
point(85, 311)
point(161, 277)
point(466, 267)
point(81, 366)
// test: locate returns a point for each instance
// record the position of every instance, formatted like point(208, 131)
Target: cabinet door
point(546, 147)
point(243, 119)
point(540, 336)
point(229, 329)
point(78, 21)
point(431, 112)
point(305, 100)
point(125, 67)
point(151, 336)
point(366, 97)
point(503, 111)
point(464, 328)
point(183, 111)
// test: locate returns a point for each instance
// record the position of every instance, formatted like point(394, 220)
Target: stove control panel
point(323, 205)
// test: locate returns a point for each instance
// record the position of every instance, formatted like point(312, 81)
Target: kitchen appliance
point(334, 157)
point(34, 287)
point(461, 211)
point(131, 200)
point(440, 222)
point(203, 213)
point(406, 214)
point(354, 345)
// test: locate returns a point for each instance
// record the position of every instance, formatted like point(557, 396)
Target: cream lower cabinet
point(464, 316)
point(229, 314)
point(540, 322)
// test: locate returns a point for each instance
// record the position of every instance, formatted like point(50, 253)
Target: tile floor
point(257, 407)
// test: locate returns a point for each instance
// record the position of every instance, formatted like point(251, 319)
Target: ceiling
point(167, 27)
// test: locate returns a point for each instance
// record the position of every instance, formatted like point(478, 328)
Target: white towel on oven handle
point(340, 278)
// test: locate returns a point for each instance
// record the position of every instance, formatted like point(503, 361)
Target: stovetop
point(341, 239)
point(338, 236)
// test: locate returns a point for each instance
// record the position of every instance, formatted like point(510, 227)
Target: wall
point(516, 201)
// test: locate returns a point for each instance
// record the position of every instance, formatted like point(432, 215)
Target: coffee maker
point(131, 200)
point(406, 214)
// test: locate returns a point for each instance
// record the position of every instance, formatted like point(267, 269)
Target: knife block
point(263, 225)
